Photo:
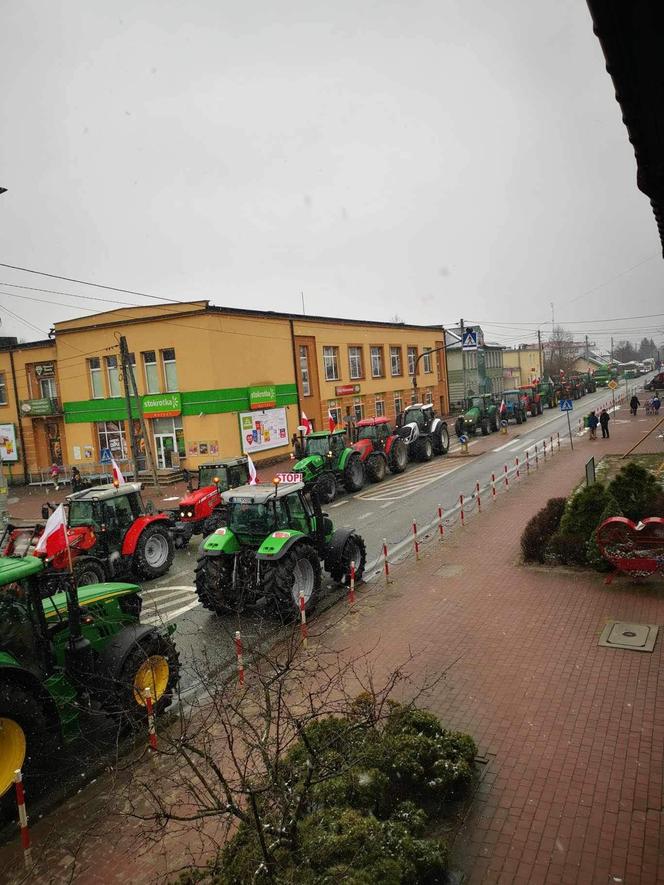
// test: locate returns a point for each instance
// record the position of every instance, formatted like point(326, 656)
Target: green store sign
point(264, 397)
point(161, 405)
point(35, 407)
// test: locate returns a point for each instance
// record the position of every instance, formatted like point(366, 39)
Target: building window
point(398, 403)
point(355, 363)
point(335, 411)
point(3, 390)
point(395, 361)
point(428, 397)
point(426, 361)
point(111, 436)
point(304, 370)
point(47, 388)
point(377, 370)
point(96, 381)
point(170, 369)
point(331, 363)
point(358, 409)
point(151, 373)
point(113, 376)
point(412, 359)
point(380, 408)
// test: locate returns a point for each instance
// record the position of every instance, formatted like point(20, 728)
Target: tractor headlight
point(190, 513)
point(182, 514)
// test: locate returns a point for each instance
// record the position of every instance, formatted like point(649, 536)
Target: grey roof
point(103, 493)
point(259, 493)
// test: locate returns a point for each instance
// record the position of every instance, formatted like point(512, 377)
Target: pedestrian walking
point(604, 419)
point(634, 404)
point(656, 404)
point(593, 421)
point(55, 473)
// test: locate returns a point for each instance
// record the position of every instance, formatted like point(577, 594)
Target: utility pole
point(612, 348)
point(539, 347)
point(587, 350)
point(124, 357)
point(463, 361)
point(146, 438)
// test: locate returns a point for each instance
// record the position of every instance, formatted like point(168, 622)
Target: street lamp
point(419, 357)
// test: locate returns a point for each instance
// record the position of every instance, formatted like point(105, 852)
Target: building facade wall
point(493, 360)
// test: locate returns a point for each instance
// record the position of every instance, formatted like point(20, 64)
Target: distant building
point(483, 367)
point(521, 365)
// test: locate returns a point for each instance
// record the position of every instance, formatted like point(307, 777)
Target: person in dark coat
point(604, 419)
point(634, 404)
point(593, 421)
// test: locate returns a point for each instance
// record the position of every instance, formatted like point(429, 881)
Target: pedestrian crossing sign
point(566, 405)
point(469, 339)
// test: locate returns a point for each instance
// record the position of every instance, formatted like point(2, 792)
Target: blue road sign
point(105, 456)
point(566, 405)
point(469, 340)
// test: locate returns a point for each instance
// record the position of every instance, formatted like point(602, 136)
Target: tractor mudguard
point(364, 447)
point(389, 443)
point(113, 655)
point(335, 547)
point(222, 540)
point(131, 538)
point(343, 458)
point(309, 467)
point(278, 543)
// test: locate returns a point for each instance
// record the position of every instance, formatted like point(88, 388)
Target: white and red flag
point(54, 537)
point(253, 476)
point(118, 478)
point(306, 423)
point(332, 424)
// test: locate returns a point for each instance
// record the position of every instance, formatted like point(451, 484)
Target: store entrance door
point(165, 445)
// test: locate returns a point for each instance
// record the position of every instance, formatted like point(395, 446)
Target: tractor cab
point(201, 510)
point(328, 445)
point(378, 430)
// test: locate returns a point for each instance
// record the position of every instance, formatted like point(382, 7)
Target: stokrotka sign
point(264, 397)
point(346, 389)
point(162, 405)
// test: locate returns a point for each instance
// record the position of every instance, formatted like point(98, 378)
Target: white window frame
point(112, 376)
point(96, 374)
point(411, 355)
point(166, 364)
point(358, 409)
point(377, 351)
point(380, 407)
point(355, 356)
point(398, 398)
point(304, 370)
point(335, 411)
point(427, 366)
point(395, 354)
point(331, 362)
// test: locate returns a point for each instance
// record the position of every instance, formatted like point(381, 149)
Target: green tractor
point(481, 412)
point(327, 462)
point(67, 652)
point(271, 549)
point(550, 393)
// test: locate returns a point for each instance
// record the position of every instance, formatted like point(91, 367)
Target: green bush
point(566, 550)
point(636, 490)
point(583, 510)
point(594, 556)
point(540, 528)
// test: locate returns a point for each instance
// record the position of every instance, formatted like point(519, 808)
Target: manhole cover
point(637, 637)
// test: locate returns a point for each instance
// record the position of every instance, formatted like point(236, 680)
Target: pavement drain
point(634, 637)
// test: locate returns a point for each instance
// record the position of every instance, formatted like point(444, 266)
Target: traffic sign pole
point(566, 405)
point(569, 427)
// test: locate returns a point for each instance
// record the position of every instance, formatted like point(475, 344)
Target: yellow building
point(521, 365)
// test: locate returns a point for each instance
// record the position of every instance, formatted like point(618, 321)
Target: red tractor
point(202, 511)
point(380, 448)
point(111, 536)
point(532, 399)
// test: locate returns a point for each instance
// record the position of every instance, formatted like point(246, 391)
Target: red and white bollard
point(386, 564)
point(461, 513)
point(416, 545)
point(527, 462)
point(536, 457)
point(518, 471)
point(441, 527)
point(477, 495)
point(351, 584)
point(506, 477)
point(303, 619)
point(551, 444)
point(558, 440)
point(23, 819)
point(152, 731)
point(544, 444)
point(240, 658)
point(493, 486)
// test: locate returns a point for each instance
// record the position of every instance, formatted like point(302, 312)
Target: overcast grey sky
point(431, 159)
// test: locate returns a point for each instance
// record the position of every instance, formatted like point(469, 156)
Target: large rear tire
point(26, 742)
point(353, 475)
point(214, 584)
point(152, 663)
point(441, 440)
point(214, 521)
point(376, 467)
point(154, 552)
point(298, 569)
point(88, 571)
point(422, 449)
point(325, 488)
point(354, 550)
point(398, 457)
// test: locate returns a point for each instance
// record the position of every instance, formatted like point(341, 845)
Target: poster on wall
point(263, 430)
point(193, 450)
point(8, 443)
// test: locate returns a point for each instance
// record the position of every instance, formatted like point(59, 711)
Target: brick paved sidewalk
point(573, 733)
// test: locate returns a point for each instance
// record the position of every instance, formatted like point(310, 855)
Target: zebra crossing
point(164, 604)
point(408, 483)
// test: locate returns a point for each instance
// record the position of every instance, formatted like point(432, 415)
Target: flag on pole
point(252, 471)
point(118, 478)
point(503, 407)
point(54, 537)
point(332, 424)
point(306, 423)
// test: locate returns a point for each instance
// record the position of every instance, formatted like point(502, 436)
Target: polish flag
point(332, 424)
point(503, 407)
point(306, 423)
point(54, 537)
point(117, 473)
point(253, 477)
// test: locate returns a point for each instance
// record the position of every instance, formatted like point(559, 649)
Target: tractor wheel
point(398, 457)
point(485, 426)
point(152, 663)
point(519, 420)
point(422, 449)
point(524, 416)
point(88, 571)
point(25, 742)
point(534, 411)
point(376, 467)
point(353, 478)
point(354, 550)
point(297, 570)
point(214, 584)
point(325, 488)
point(440, 441)
point(154, 552)
point(459, 426)
point(495, 423)
point(540, 408)
point(214, 521)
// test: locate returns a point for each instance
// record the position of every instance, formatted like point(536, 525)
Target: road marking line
point(365, 515)
point(513, 442)
point(339, 503)
point(154, 620)
point(188, 587)
point(155, 601)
